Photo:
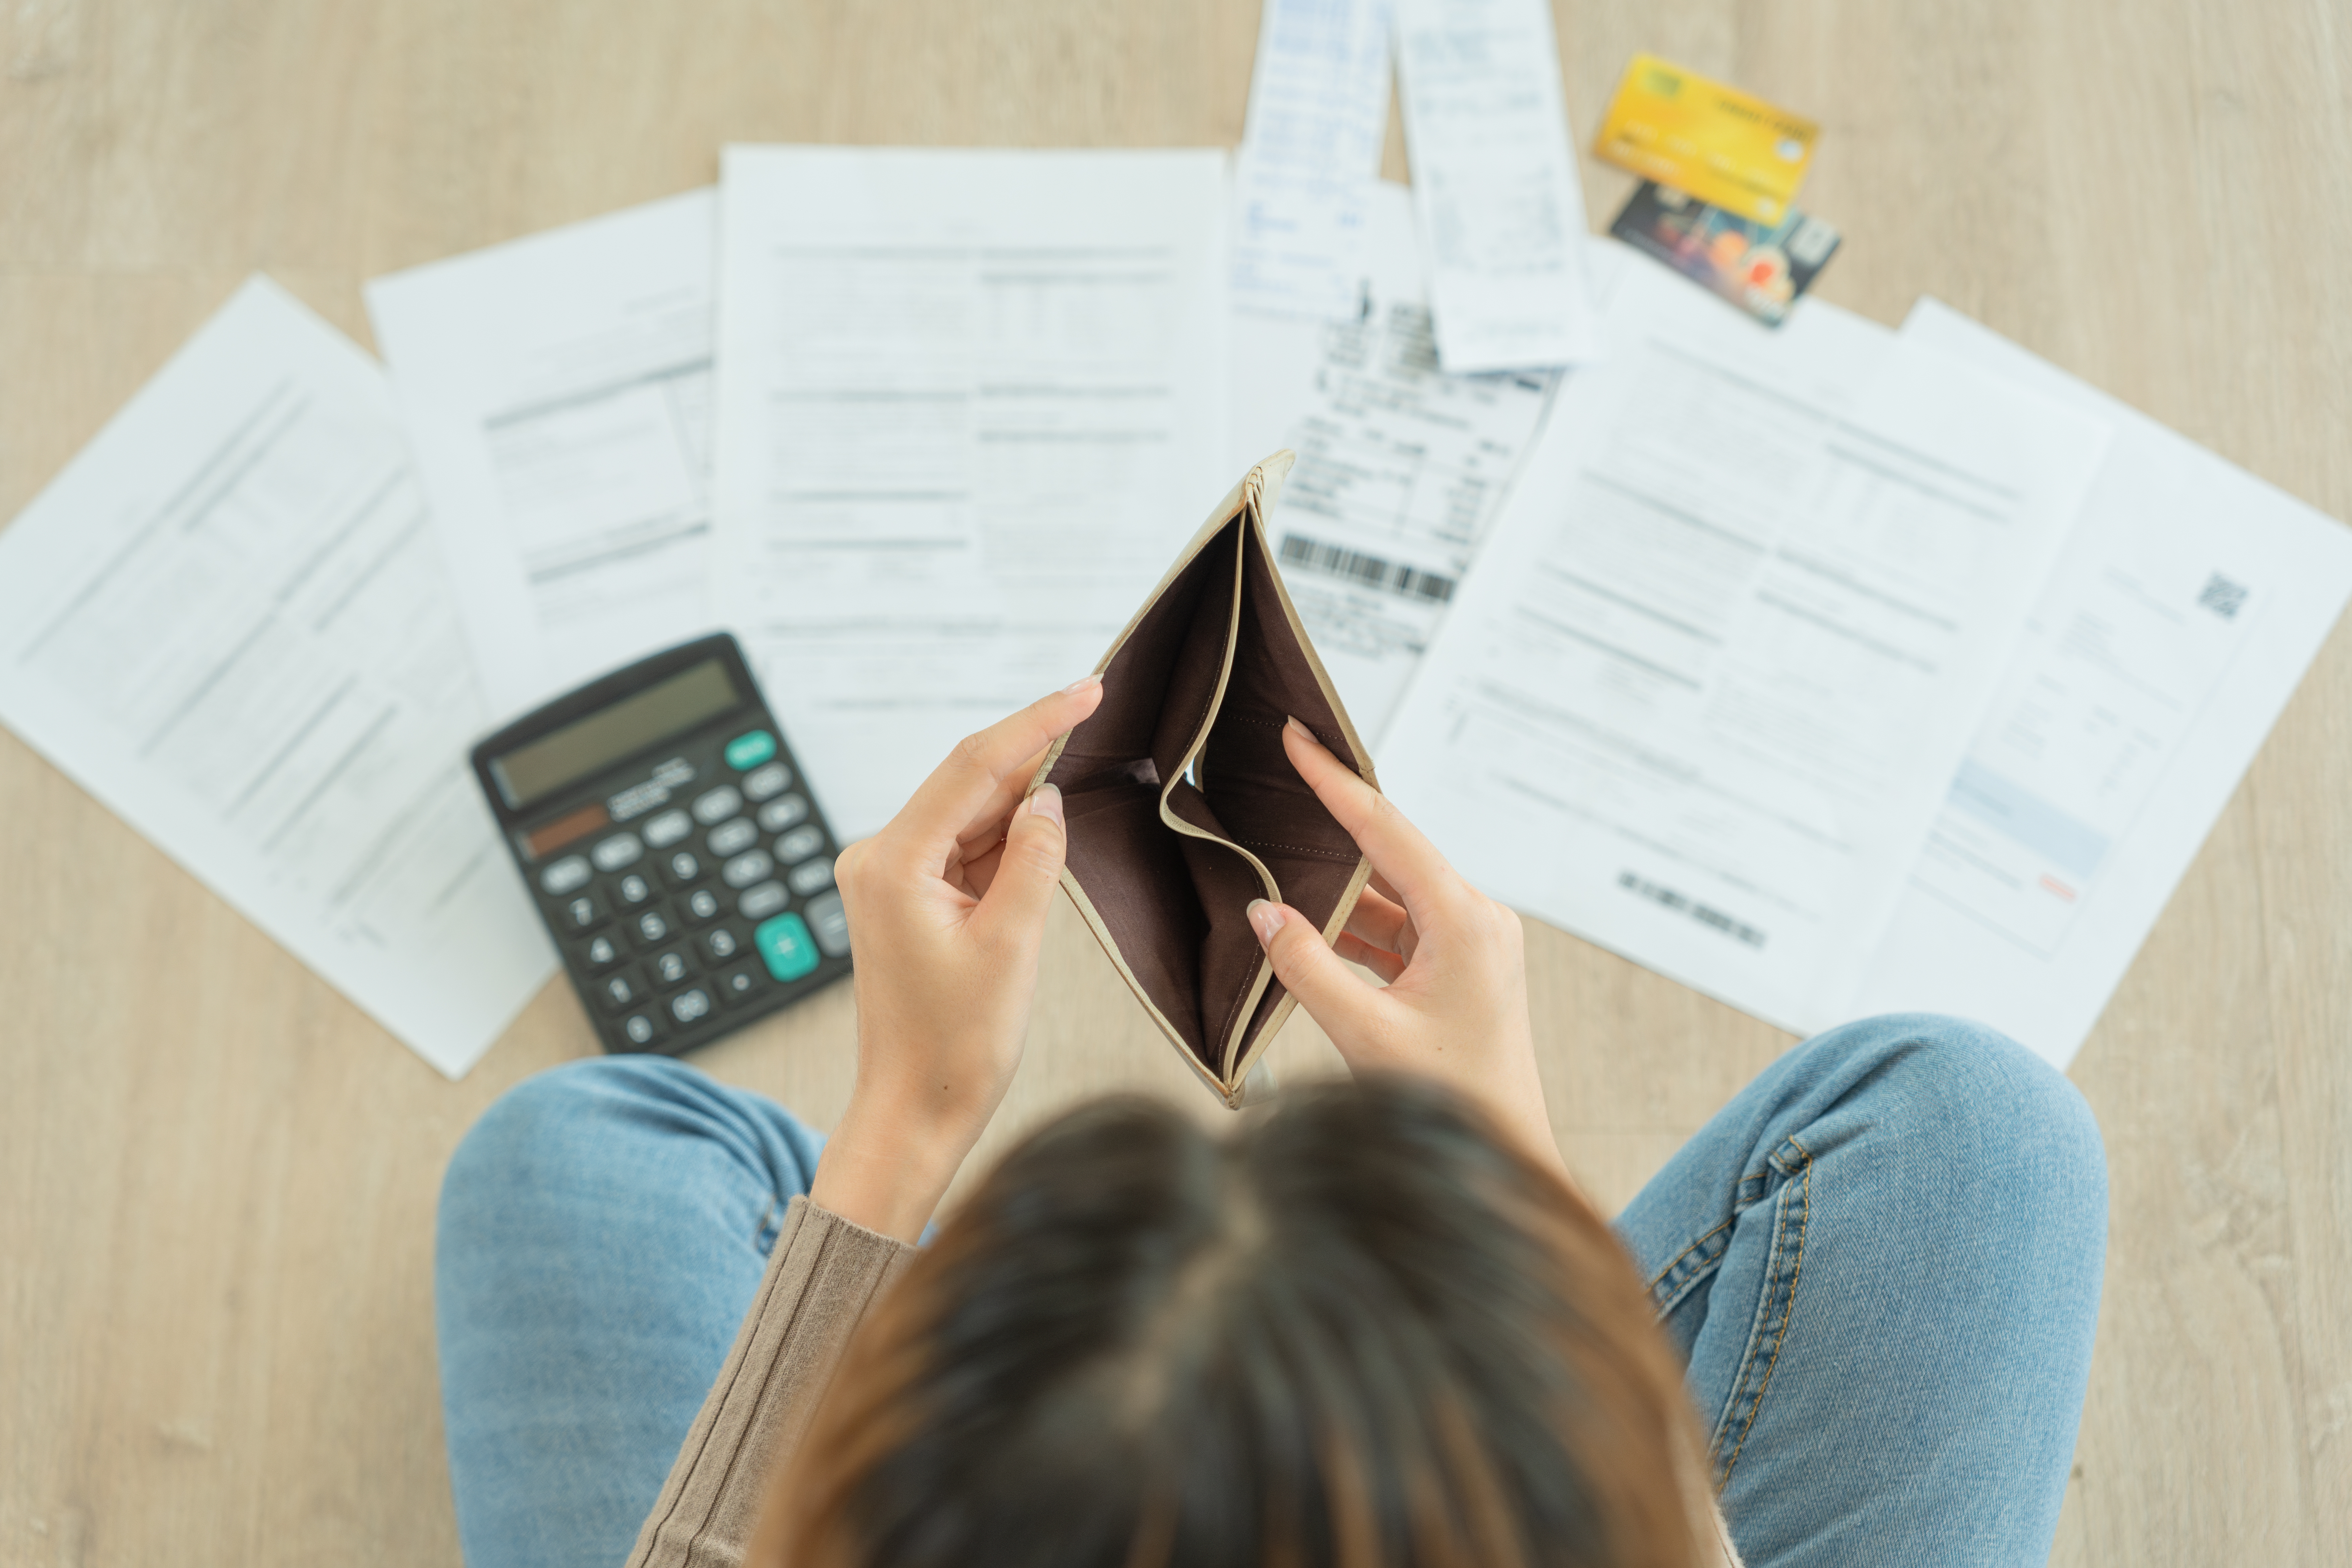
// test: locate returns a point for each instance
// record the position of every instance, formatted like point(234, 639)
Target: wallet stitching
point(1345, 857)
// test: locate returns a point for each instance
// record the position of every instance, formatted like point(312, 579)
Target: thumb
point(1308, 969)
point(1029, 869)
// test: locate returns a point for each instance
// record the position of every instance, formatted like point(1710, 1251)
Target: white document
point(228, 620)
point(1702, 694)
point(970, 405)
point(2189, 602)
point(557, 395)
point(1319, 114)
point(1401, 470)
point(1494, 173)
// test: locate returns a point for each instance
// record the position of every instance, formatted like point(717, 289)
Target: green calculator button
point(749, 748)
point(786, 945)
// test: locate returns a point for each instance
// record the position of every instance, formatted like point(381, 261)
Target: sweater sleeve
point(823, 1276)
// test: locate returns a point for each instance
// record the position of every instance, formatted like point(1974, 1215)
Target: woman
point(1377, 1326)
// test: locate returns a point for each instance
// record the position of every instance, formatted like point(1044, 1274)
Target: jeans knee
point(540, 1132)
point(1986, 1100)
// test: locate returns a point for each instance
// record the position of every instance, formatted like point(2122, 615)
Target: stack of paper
point(1830, 670)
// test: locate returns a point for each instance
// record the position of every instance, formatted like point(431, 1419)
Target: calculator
point(670, 842)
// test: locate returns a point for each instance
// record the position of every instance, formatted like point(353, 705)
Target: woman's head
point(1360, 1331)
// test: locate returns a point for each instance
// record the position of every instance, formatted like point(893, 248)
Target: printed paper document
point(1400, 468)
point(970, 404)
point(1702, 693)
point(2190, 601)
point(228, 620)
point(557, 395)
point(1318, 112)
point(1502, 210)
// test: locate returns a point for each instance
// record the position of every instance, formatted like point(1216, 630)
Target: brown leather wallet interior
point(1182, 803)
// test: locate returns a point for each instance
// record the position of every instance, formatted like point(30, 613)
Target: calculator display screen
point(537, 769)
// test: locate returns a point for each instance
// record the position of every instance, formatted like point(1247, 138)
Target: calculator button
point(641, 1028)
point(667, 828)
point(603, 952)
point(732, 838)
point(800, 844)
point(809, 875)
point(786, 946)
point(740, 983)
point(681, 867)
point(702, 904)
point(635, 889)
point(831, 923)
point(567, 875)
point(670, 967)
point(745, 869)
point(652, 928)
point(779, 815)
point(717, 805)
point(691, 1006)
point(621, 849)
point(749, 748)
point(583, 913)
point(616, 993)
point(761, 902)
point(774, 779)
point(722, 944)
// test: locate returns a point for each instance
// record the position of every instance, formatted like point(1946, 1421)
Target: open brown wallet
point(1182, 805)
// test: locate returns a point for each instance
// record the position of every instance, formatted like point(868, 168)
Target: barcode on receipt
point(1337, 561)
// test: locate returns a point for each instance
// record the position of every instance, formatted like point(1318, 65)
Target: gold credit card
point(1724, 146)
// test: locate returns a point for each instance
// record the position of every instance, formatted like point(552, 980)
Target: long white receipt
point(226, 619)
point(970, 404)
point(1701, 695)
point(2189, 602)
point(1494, 177)
point(1400, 469)
point(557, 395)
point(1303, 181)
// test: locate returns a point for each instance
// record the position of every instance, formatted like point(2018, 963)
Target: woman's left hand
point(947, 911)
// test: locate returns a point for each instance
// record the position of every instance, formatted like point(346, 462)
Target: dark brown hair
point(1361, 1331)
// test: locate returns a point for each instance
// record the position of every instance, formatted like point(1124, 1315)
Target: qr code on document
point(2222, 596)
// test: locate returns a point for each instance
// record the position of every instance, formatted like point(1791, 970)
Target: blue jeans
point(1881, 1260)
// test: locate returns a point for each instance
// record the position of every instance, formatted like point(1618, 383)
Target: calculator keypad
point(745, 869)
point(724, 901)
point(732, 838)
point(619, 850)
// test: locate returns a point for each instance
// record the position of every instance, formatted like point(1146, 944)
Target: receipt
point(1319, 112)
point(1494, 177)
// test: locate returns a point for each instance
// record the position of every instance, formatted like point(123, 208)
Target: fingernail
point(1074, 688)
point(1266, 918)
point(1047, 802)
point(1291, 723)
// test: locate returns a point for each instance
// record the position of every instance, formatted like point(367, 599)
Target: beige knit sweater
point(824, 1276)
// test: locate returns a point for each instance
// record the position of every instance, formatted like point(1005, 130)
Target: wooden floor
point(217, 1178)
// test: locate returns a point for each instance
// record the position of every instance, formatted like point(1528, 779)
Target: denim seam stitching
point(1787, 1309)
point(1655, 1279)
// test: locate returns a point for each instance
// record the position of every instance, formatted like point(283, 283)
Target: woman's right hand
point(1455, 1005)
